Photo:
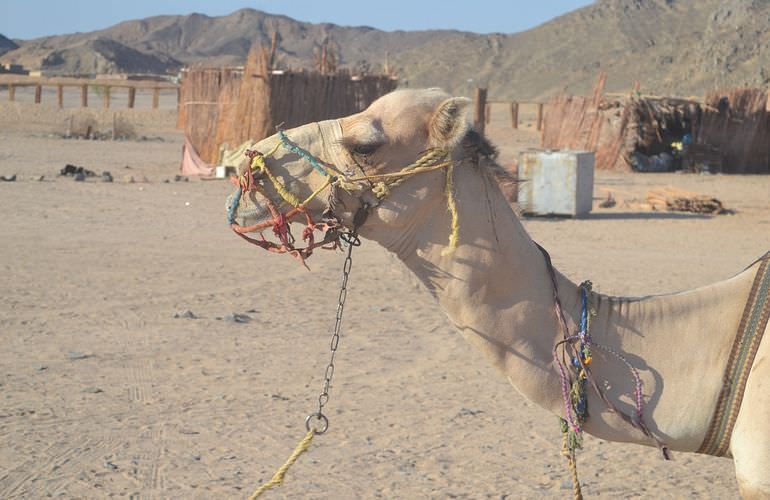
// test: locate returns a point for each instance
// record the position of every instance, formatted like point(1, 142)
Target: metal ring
point(317, 416)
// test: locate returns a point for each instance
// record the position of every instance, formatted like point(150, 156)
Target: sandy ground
point(103, 393)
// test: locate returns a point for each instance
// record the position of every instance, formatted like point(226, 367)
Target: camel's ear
point(449, 123)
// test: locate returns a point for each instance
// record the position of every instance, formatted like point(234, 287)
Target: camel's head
point(392, 133)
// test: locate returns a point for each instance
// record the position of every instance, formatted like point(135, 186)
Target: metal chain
point(323, 422)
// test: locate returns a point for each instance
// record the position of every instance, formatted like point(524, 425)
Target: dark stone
point(74, 355)
point(237, 318)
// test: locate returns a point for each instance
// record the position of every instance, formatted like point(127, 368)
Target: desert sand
point(106, 394)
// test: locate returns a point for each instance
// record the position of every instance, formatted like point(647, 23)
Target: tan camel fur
point(495, 287)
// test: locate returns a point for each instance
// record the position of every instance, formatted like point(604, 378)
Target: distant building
point(16, 69)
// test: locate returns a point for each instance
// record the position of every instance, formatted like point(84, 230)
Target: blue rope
point(578, 398)
point(301, 152)
point(584, 311)
point(233, 206)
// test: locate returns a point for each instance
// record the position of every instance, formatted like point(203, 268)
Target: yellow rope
point(277, 479)
point(454, 236)
point(259, 163)
point(577, 492)
point(317, 191)
point(407, 171)
point(381, 190)
point(272, 151)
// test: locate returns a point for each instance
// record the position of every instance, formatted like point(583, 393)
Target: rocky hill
point(680, 47)
point(104, 55)
point(6, 45)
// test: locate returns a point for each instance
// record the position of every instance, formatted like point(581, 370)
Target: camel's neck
point(495, 286)
point(496, 289)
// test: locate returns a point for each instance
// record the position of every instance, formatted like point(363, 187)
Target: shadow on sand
point(623, 216)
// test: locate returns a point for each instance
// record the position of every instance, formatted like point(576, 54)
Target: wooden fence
point(101, 86)
point(482, 111)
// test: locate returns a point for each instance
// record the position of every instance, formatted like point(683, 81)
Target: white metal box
point(556, 182)
point(222, 172)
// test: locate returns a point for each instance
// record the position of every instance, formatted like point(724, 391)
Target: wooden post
point(273, 48)
point(540, 116)
point(106, 96)
point(323, 59)
point(60, 96)
point(487, 114)
point(11, 92)
point(38, 93)
point(155, 97)
point(515, 115)
point(131, 96)
point(84, 95)
point(479, 106)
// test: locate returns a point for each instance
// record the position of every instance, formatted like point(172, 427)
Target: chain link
point(351, 239)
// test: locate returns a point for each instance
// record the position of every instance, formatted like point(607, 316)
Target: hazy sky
point(33, 18)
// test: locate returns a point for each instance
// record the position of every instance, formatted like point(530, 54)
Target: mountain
point(675, 47)
point(104, 55)
point(6, 45)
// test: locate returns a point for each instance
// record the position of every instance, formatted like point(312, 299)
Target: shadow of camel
point(623, 216)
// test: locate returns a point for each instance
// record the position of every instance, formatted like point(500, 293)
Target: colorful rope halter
point(576, 376)
point(379, 184)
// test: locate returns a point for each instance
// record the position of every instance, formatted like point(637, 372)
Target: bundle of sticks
point(662, 199)
point(677, 200)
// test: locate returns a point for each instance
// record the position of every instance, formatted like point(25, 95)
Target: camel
point(495, 286)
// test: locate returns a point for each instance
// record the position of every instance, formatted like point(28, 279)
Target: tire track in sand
point(141, 377)
point(38, 477)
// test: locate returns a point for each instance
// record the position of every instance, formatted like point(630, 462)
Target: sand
point(106, 394)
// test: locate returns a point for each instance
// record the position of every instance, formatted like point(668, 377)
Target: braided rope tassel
point(277, 479)
point(454, 236)
point(428, 158)
point(569, 452)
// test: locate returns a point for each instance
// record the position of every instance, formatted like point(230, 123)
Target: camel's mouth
point(273, 192)
point(252, 209)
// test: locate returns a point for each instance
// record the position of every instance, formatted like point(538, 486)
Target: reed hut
point(229, 106)
point(737, 123)
point(727, 132)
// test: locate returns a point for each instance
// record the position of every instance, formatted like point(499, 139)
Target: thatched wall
point(224, 106)
point(737, 122)
point(732, 124)
point(199, 106)
point(588, 124)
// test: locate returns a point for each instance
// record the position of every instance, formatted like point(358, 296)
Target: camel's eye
point(363, 149)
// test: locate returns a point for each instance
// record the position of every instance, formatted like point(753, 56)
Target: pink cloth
point(192, 163)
